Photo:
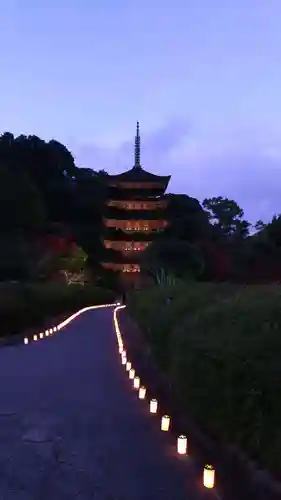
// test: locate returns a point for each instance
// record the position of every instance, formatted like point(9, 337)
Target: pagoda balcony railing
point(119, 214)
point(136, 195)
point(120, 235)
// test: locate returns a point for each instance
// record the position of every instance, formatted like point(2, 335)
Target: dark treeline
point(48, 204)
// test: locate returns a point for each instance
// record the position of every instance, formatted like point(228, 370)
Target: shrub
point(223, 357)
point(27, 305)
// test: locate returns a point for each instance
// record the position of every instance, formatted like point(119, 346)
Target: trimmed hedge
point(26, 305)
point(221, 346)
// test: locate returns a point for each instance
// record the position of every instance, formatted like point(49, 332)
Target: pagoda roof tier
point(118, 214)
point(135, 191)
point(119, 235)
point(115, 256)
point(139, 175)
point(130, 197)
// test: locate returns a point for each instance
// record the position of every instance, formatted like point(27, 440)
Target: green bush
point(157, 318)
point(23, 306)
point(223, 357)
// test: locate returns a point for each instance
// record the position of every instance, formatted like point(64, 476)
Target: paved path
point(72, 428)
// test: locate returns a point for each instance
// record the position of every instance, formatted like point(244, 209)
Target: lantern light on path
point(128, 366)
point(153, 406)
point(209, 476)
point(132, 373)
point(165, 423)
point(41, 335)
point(51, 330)
point(26, 340)
point(182, 445)
point(47, 333)
point(136, 383)
point(142, 392)
point(35, 337)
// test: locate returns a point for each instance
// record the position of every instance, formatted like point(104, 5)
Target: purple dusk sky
point(203, 77)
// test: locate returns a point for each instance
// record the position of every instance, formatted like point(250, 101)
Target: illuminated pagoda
point(135, 213)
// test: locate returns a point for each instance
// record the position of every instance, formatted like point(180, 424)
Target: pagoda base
point(128, 279)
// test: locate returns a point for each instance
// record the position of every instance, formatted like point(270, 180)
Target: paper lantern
point(124, 360)
point(153, 406)
point(132, 373)
point(35, 337)
point(47, 333)
point(41, 335)
point(182, 445)
point(209, 476)
point(26, 340)
point(136, 383)
point(121, 349)
point(165, 423)
point(128, 366)
point(51, 330)
point(142, 392)
point(123, 353)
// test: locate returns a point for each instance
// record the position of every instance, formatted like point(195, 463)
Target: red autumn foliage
point(57, 244)
point(218, 264)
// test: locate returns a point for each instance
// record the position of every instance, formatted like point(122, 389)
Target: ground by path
point(72, 428)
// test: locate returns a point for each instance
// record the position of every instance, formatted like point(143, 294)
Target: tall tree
point(226, 217)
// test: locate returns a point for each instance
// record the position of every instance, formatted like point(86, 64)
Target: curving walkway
point(71, 427)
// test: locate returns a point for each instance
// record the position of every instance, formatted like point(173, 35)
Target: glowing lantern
point(128, 366)
point(124, 360)
point(136, 382)
point(51, 331)
point(35, 337)
point(209, 476)
point(153, 406)
point(142, 392)
point(121, 349)
point(123, 354)
point(41, 335)
point(26, 340)
point(165, 423)
point(132, 373)
point(182, 445)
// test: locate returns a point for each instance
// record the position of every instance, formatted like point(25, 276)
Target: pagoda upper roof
point(138, 174)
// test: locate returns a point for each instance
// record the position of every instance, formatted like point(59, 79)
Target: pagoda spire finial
point(137, 148)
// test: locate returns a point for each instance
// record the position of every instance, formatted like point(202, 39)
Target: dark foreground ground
point(71, 427)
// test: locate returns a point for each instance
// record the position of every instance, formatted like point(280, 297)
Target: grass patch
point(221, 346)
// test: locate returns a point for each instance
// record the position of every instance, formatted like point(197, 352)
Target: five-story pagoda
point(135, 213)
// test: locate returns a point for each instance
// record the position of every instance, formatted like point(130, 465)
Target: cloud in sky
point(244, 165)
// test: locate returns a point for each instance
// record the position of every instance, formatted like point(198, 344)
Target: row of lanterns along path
point(209, 471)
point(51, 331)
